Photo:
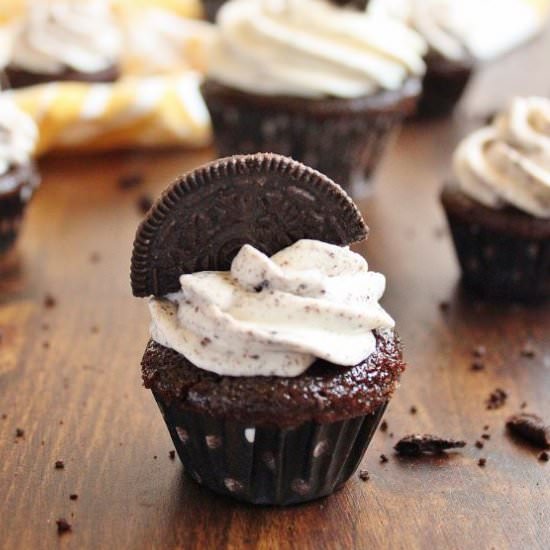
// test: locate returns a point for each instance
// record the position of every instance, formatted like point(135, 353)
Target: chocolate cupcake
point(449, 62)
point(65, 41)
point(18, 176)
point(499, 206)
point(211, 7)
point(322, 84)
point(270, 359)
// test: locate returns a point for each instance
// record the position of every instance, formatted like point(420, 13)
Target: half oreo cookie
point(203, 219)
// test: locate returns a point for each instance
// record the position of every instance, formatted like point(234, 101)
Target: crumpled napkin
point(150, 111)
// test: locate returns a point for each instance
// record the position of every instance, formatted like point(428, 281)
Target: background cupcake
point(65, 40)
point(499, 206)
point(460, 35)
point(18, 177)
point(211, 7)
point(325, 85)
point(273, 376)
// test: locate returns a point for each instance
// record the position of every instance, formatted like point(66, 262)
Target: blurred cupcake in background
point(65, 40)
point(499, 205)
point(211, 7)
point(18, 176)
point(325, 85)
point(461, 33)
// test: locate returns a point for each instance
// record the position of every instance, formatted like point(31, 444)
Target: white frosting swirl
point(508, 163)
point(275, 316)
point(60, 34)
point(459, 28)
point(18, 136)
point(311, 48)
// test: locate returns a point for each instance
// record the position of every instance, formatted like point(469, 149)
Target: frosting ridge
point(275, 316)
point(18, 136)
point(310, 48)
point(508, 162)
point(80, 35)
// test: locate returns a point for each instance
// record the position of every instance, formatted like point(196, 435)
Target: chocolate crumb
point(144, 203)
point(172, 455)
point(523, 405)
point(391, 434)
point(384, 426)
point(74, 496)
point(59, 465)
point(45, 344)
point(384, 459)
point(479, 444)
point(364, 475)
point(19, 432)
point(416, 445)
point(413, 410)
point(479, 351)
point(544, 456)
point(95, 257)
point(155, 457)
point(496, 399)
point(482, 462)
point(528, 351)
point(129, 181)
point(477, 366)
point(4, 416)
point(49, 301)
point(486, 427)
point(205, 341)
point(94, 329)
point(444, 306)
point(531, 428)
point(63, 526)
point(486, 436)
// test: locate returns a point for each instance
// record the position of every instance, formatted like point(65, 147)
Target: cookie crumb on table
point(496, 399)
point(364, 475)
point(531, 428)
point(417, 445)
point(63, 526)
point(59, 465)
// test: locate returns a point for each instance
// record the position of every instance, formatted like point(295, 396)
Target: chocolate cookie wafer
point(204, 218)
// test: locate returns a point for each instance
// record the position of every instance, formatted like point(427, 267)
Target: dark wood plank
point(69, 375)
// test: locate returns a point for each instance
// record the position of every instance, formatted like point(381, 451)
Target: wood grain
point(69, 375)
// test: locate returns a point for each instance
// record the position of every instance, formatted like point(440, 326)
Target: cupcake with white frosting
point(305, 78)
point(18, 176)
point(65, 40)
point(499, 204)
point(270, 358)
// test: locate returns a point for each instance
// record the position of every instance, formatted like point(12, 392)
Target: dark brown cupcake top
point(204, 218)
point(324, 393)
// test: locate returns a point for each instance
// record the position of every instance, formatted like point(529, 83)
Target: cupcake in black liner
point(18, 175)
point(499, 206)
point(271, 377)
point(211, 7)
point(326, 85)
point(65, 41)
point(449, 63)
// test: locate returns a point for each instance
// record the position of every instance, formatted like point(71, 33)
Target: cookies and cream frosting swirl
point(18, 136)
point(59, 34)
point(311, 48)
point(508, 162)
point(275, 316)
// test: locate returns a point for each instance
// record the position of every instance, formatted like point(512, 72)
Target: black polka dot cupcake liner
point(504, 255)
point(342, 138)
point(269, 465)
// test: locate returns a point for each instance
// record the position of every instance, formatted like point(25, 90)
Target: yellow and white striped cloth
point(154, 111)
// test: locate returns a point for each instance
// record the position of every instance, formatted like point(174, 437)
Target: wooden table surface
point(70, 378)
